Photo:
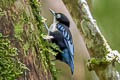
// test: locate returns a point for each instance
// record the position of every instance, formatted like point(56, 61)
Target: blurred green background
point(107, 15)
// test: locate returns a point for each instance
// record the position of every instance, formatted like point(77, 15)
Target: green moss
point(2, 13)
point(23, 24)
point(44, 47)
point(10, 66)
point(6, 3)
point(18, 31)
point(97, 63)
point(33, 37)
point(26, 46)
point(23, 21)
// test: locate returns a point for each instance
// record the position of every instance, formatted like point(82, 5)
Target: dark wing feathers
point(67, 38)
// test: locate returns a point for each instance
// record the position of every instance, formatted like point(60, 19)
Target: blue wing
point(67, 38)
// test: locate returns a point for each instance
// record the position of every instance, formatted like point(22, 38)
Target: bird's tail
point(67, 59)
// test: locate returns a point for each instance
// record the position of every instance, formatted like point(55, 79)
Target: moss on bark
point(22, 22)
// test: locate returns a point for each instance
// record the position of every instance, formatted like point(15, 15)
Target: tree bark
point(17, 21)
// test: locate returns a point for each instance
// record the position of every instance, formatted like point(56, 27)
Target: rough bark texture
point(95, 41)
point(18, 23)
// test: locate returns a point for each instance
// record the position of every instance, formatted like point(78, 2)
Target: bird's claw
point(48, 37)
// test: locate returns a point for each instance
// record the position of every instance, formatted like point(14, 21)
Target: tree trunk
point(18, 21)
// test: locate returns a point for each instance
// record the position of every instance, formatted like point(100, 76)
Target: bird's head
point(61, 18)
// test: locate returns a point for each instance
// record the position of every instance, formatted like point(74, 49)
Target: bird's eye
point(58, 16)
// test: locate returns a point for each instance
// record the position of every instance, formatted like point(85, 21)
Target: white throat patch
point(53, 27)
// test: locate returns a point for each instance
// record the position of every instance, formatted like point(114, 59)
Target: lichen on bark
point(95, 42)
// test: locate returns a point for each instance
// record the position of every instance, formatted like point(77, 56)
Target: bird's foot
point(48, 37)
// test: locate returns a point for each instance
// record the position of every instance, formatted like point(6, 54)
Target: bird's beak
point(53, 12)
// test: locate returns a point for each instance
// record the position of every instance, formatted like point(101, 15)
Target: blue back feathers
point(68, 54)
point(63, 38)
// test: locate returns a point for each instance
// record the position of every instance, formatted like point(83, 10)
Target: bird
point(62, 36)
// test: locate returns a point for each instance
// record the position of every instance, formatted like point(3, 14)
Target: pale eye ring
point(58, 16)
